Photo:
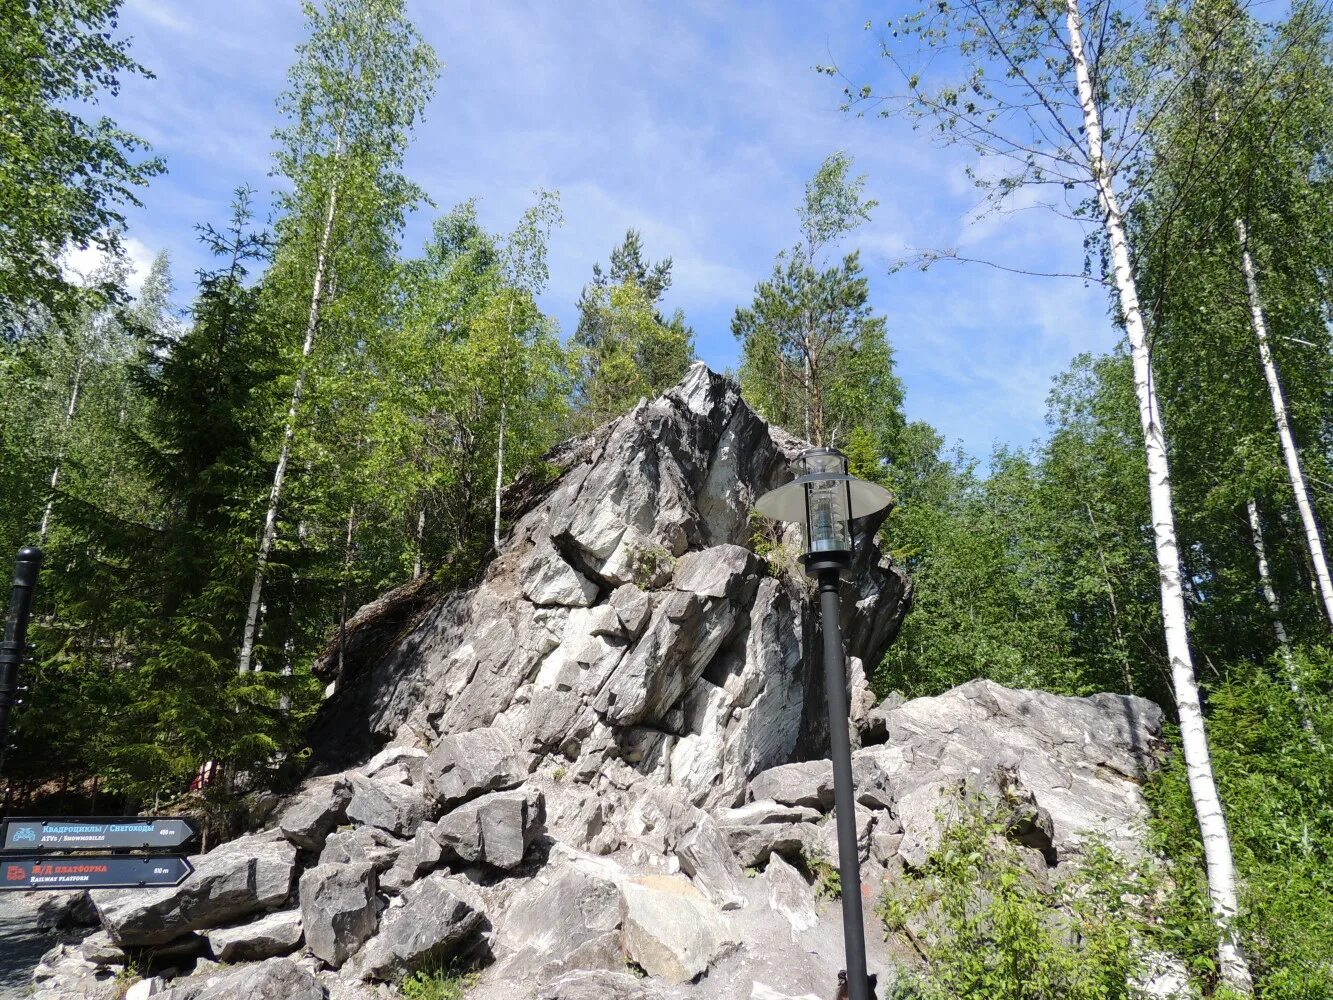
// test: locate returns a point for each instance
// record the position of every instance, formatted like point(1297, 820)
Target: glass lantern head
point(824, 500)
point(828, 502)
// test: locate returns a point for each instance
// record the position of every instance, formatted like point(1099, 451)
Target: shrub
point(986, 927)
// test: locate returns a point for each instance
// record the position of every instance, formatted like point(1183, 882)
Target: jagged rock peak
point(627, 622)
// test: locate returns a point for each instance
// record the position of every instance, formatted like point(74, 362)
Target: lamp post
point(824, 500)
point(14, 645)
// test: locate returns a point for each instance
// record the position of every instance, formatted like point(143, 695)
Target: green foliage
point(649, 565)
point(65, 180)
point(814, 358)
point(817, 866)
point(986, 927)
point(1274, 774)
point(446, 983)
point(625, 348)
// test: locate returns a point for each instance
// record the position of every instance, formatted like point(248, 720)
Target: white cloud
point(79, 264)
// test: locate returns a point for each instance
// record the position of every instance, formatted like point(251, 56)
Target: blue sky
point(696, 123)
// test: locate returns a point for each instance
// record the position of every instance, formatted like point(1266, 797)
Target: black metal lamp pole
point(14, 646)
point(824, 501)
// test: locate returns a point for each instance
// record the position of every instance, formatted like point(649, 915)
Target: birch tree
point(1233, 258)
point(1045, 81)
point(357, 88)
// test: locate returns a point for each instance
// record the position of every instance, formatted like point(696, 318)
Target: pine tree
point(627, 347)
point(814, 358)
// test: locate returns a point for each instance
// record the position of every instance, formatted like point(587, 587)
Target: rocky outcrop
point(600, 773)
point(626, 619)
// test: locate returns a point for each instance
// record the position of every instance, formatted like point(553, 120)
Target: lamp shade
point(824, 500)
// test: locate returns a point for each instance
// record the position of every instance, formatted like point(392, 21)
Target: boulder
point(827, 842)
point(411, 759)
point(665, 821)
point(244, 876)
point(567, 920)
point(670, 929)
point(765, 811)
point(363, 845)
point(64, 974)
point(599, 985)
point(548, 580)
point(145, 988)
point(810, 784)
point(270, 936)
point(315, 811)
point(433, 920)
point(275, 979)
point(465, 765)
point(496, 829)
point(422, 854)
point(790, 895)
point(338, 910)
point(391, 806)
point(62, 911)
point(1079, 761)
point(754, 845)
point(100, 949)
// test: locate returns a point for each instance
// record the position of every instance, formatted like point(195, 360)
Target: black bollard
point(14, 646)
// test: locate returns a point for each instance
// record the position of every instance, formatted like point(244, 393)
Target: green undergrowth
point(443, 983)
point(985, 925)
point(1272, 751)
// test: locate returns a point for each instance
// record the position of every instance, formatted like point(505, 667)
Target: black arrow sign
point(107, 871)
point(124, 833)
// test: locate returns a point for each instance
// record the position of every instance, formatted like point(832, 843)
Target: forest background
point(223, 468)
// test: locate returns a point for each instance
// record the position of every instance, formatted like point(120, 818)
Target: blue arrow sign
point(107, 871)
point(122, 833)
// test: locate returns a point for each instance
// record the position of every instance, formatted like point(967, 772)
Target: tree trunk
point(1120, 642)
point(1221, 872)
point(60, 455)
point(347, 567)
point(421, 539)
point(289, 432)
point(499, 472)
point(1275, 607)
point(1289, 452)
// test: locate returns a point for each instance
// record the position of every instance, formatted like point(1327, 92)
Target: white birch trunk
point(421, 539)
point(60, 457)
point(499, 472)
point(1203, 789)
point(1274, 606)
point(289, 432)
point(1289, 452)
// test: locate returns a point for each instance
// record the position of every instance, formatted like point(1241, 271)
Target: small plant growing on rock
point(559, 773)
point(828, 880)
point(649, 564)
point(445, 983)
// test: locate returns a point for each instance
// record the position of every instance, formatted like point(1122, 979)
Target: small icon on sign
point(15, 873)
point(25, 834)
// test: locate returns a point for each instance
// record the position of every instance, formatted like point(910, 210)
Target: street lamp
point(825, 500)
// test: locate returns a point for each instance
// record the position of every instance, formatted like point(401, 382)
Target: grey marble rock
point(338, 910)
point(248, 875)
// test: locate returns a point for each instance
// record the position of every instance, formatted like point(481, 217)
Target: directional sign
point(106, 871)
point(125, 833)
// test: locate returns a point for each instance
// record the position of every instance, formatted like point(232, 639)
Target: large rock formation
point(560, 774)
point(626, 617)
